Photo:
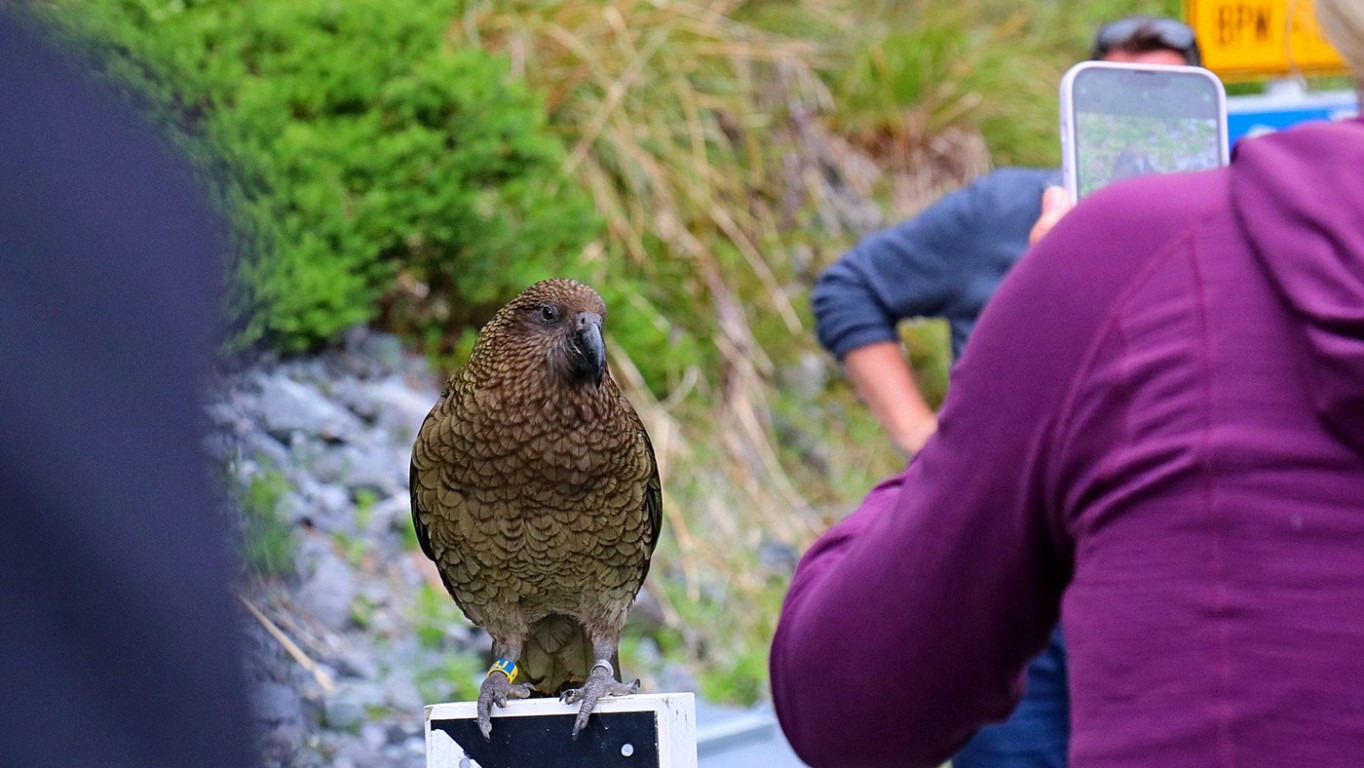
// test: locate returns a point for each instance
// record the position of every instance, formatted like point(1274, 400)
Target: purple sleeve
point(908, 624)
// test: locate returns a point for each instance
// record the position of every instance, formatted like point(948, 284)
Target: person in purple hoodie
point(945, 263)
point(1156, 436)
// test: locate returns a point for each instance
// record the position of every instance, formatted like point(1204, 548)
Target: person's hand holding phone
point(1055, 205)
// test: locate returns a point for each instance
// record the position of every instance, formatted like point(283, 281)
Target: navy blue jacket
point(118, 645)
point(946, 262)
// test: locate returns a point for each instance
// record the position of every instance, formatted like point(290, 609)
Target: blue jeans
point(1037, 734)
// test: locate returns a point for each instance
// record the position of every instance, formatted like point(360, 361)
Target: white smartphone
point(1124, 120)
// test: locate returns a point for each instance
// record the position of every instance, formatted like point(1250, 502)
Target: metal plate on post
point(639, 731)
point(615, 740)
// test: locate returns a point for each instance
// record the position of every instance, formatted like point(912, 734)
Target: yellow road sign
point(1258, 39)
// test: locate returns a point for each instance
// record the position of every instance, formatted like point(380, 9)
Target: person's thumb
point(1055, 205)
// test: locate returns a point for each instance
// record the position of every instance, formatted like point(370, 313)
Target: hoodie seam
point(1184, 237)
point(1221, 661)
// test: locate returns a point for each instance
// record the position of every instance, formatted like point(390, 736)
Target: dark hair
point(1143, 34)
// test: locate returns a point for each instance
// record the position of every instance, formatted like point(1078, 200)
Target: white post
point(640, 731)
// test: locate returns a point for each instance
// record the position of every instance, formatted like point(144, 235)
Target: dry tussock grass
point(711, 142)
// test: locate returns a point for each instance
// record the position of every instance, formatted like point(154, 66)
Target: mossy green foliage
point(435, 612)
point(351, 144)
point(456, 676)
point(267, 541)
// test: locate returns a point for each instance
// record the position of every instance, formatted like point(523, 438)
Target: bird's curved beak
point(591, 348)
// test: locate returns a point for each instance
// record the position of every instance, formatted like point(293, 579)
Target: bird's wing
point(423, 535)
point(413, 484)
point(653, 503)
point(447, 556)
point(427, 510)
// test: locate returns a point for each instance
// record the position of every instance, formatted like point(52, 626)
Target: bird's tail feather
point(557, 654)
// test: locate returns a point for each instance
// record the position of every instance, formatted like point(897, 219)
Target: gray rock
point(292, 508)
point(386, 624)
point(405, 756)
point(393, 513)
point(262, 447)
point(400, 731)
point(313, 692)
point(373, 736)
point(328, 591)
point(357, 755)
point(345, 709)
point(400, 409)
point(334, 465)
point(371, 464)
point(367, 350)
point(401, 693)
point(359, 663)
point(276, 703)
point(353, 393)
point(288, 406)
point(224, 416)
point(282, 745)
point(329, 507)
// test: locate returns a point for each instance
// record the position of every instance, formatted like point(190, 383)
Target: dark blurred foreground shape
point(117, 644)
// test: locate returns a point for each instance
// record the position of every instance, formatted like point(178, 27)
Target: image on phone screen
point(1127, 123)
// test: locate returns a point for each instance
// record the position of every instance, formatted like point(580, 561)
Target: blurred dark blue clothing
point(118, 646)
point(1037, 734)
point(946, 262)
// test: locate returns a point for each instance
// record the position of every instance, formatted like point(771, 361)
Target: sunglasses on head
point(1164, 32)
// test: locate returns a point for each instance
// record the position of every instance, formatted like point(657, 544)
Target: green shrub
point(352, 145)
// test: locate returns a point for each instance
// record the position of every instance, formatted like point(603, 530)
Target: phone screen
point(1127, 121)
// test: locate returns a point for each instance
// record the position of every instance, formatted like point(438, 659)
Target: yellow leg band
point(507, 668)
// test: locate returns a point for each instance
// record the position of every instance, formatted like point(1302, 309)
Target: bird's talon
point(496, 689)
point(600, 683)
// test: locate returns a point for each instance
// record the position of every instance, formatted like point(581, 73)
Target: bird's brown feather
point(535, 488)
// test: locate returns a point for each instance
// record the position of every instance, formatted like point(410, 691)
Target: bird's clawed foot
point(600, 682)
point(496, 689)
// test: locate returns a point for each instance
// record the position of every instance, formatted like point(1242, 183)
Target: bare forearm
point(885, 383)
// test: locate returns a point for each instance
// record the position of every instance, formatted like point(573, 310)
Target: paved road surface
point(741, 738)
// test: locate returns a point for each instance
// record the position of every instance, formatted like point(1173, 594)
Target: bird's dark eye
point(549, 313)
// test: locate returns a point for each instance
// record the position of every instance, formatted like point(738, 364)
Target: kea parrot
point(536, 492)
